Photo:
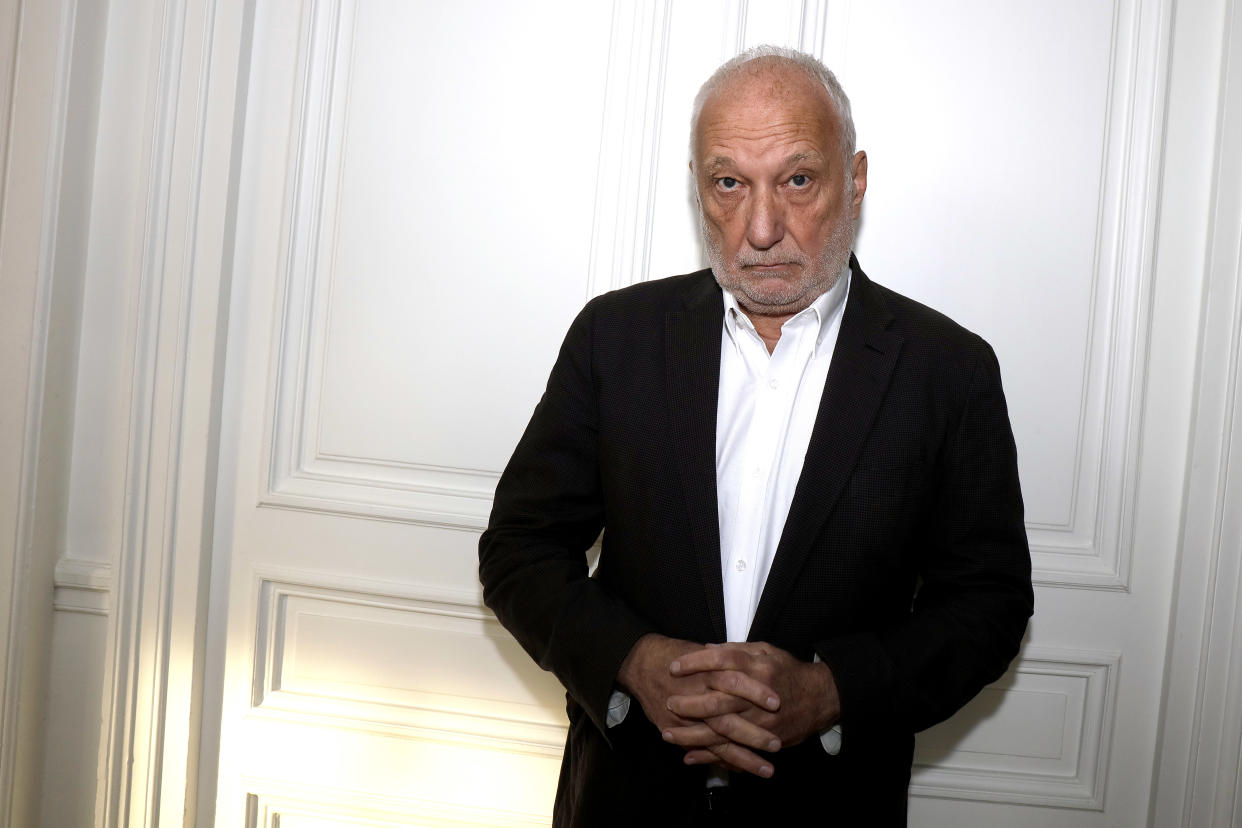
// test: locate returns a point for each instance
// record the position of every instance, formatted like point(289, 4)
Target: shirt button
point(772, 383)
point(740, 566)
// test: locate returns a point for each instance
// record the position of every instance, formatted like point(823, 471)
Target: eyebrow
point(800, 157)
point(717, 163)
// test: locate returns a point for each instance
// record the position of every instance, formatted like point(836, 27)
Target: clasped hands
point(724, 702)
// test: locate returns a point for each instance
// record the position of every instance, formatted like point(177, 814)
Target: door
point(430, 191)
point(413, 228)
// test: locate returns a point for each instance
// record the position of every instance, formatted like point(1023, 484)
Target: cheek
point(721, 211)
point(812, 226)
point(724, 222)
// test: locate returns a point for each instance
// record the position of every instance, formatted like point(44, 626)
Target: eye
point(799, 180)
point(726, 183)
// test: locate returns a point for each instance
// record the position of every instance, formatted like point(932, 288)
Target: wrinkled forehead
point(768, 104)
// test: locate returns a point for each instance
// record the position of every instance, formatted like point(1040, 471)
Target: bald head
point(776, 65)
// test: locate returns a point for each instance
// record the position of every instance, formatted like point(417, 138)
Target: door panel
point(414, 225)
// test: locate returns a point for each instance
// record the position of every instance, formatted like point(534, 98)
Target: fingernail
point(668, 735)
point(774, 745)
point(675, 667)
point(765, 771)
point(690, 760)
point(773, 702)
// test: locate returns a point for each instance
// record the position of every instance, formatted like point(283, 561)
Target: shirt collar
point(821, 311)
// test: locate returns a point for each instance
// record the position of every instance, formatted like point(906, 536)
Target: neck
point(768, 327)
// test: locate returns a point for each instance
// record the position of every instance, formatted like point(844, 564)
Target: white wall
point(39, 317)
point(150, 119)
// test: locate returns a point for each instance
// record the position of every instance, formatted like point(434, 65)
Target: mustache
point(752, 258)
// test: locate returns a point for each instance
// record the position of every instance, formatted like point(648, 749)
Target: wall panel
point(410, 661)
point(1011, 189)
point(1038, 736)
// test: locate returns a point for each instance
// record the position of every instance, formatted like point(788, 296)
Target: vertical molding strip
point(149, 740)
point(735, 14)
point(625, 183)
point(813, 32)
point(22, 539)
point(1196, 777)
point(135, 636)
point(15, 603)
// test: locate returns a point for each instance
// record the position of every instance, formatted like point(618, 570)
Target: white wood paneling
point(1033, 226)
point(368, 412)
point(384, 148)
point(365, 412)
point(1039, 736)
point(629, 145)
point(148, 384)
point(19, 442)
point(83, 586)
point(1199, 770)
point(312, 809)
point(34, 374)
point(402, 661)
point(379, 210)
point(1079, 284)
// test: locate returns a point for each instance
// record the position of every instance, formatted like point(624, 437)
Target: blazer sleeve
point(547, 512)
point(974, 598)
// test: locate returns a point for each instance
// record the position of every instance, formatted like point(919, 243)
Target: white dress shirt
point(764, 417)
point(765, 413)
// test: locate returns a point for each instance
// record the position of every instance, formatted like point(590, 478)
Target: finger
point(742, 759)
point(719, 657)
point(745, 687)
point(703, 756)
point(744, 732)
point(692, 736)
point(706, 705)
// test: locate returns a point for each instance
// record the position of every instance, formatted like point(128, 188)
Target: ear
point(859, 172)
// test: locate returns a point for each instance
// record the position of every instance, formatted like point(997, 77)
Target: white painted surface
point(353, 392)
point(1199, 766)
point(37, 354)
point(387, 169)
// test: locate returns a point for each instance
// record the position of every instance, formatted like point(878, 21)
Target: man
point(782, 455)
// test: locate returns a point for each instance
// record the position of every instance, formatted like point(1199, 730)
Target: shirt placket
point(774, 383)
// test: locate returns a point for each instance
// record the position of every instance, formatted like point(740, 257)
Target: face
point(775, 202)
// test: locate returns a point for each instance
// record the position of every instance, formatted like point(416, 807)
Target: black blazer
point(903, 563)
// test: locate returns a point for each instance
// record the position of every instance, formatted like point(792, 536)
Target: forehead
point(766, 110)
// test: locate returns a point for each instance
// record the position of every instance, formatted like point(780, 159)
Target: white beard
point(818, 274)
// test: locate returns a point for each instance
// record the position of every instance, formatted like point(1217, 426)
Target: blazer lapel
point(692, 381)
point(862, 364)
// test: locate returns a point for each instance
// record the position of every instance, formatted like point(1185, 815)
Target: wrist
point(631, 665)
point(828, 702)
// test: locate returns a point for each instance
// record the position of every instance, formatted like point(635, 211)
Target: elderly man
point(813, 542)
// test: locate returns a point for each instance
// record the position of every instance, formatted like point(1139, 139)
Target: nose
point(765, 223)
